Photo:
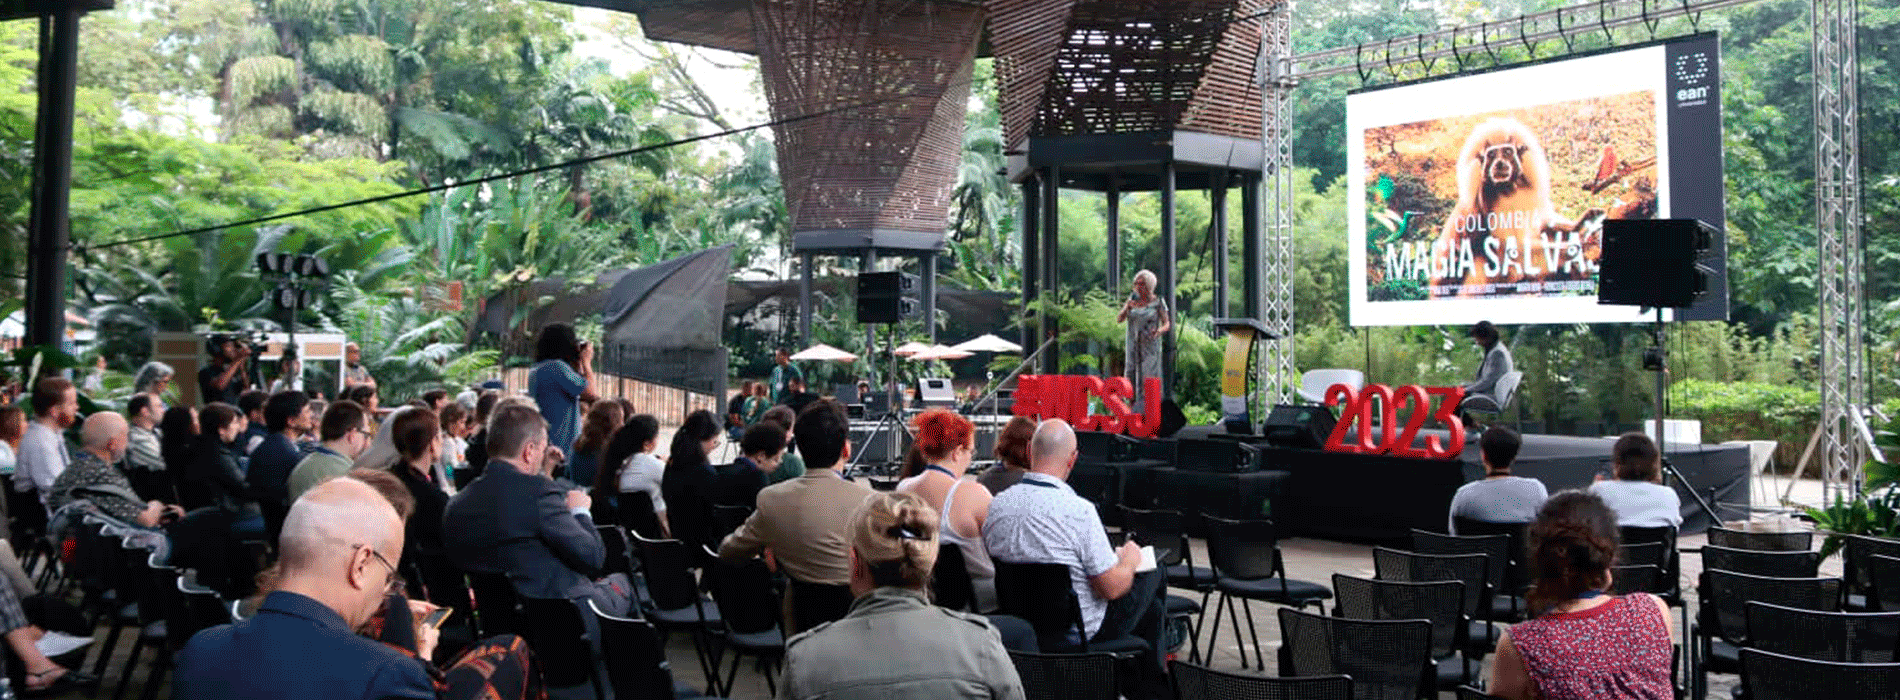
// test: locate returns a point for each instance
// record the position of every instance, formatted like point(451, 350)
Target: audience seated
point(688, 482)
point(1581, 642)
point(793, 465)
point(251, 404)
point(1012, 455)
point(92, 476)
point(635, 469)
point(603, 418)
point(805, 522)
point(894, 643)
point(42, 451)
point(515, 520)
point(1637, 494)
point(333, 578)
point(144, 458)
point(947, 442)
point(1041, 520)
point(213, 478)
point(1498, 497)
point(417, 439)
point(344, 430)
point(286, 416)
point(476, 458)
point(739, 483)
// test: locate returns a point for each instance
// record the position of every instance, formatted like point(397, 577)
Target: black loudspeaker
point(1654, 262)
point(1097, 446)
point(1213, 455)
point(1299, 425)
point(887, 297)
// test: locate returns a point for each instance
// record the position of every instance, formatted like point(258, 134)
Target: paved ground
point(1312, 560)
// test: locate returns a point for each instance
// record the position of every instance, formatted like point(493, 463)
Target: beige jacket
point(804, 522)
point(895, 646)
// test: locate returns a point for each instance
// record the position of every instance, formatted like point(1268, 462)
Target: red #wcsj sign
point(1356, 408)
point(1045, 396)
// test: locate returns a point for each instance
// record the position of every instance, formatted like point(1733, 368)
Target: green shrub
point(1750, 411)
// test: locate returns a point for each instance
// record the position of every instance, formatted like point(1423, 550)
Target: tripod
point(892, 420)
point(1656, 359)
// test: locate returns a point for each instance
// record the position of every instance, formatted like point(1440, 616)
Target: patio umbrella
point(988, 342)
point(940, 352)
point(911, 348)
point(823, 352)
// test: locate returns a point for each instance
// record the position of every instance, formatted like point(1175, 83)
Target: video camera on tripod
point(252, 341)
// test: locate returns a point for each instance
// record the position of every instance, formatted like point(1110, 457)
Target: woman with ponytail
point(920, 650)
point(1582, 642)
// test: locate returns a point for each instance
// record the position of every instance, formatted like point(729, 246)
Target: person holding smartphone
point(1149, 320)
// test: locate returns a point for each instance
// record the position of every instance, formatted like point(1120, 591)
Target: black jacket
point(509, 522)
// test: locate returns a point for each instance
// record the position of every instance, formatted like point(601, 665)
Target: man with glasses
point(302, 641)
point(345, 435)
point(514, 519)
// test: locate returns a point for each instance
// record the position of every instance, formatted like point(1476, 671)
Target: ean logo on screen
point(1691, 68)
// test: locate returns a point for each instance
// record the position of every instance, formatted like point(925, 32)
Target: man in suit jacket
point(806, 521)
point(336, 552)
point(513, 519)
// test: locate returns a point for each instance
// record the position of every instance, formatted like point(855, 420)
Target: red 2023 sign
point(1045, 396)
point(1356, 408)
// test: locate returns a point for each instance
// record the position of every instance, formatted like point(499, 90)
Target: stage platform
point(1372, 498)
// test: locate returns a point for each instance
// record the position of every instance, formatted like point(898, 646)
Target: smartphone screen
point(436, 616)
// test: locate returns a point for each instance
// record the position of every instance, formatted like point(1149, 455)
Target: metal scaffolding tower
point(1837, 219)
point(1278, 377)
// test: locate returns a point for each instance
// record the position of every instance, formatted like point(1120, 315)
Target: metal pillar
point(1278, 377)
point(930, 295)
point(804, 300)
point(867, 262)
point(1250, 259)
point(1217, 202)
point(1032, 263)
point(1114, 236)
point(1165, 277)
point(1837, 213)
point(49, 227)
point(1052, 262)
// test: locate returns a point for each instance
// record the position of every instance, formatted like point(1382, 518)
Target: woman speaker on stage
point(1148, 322)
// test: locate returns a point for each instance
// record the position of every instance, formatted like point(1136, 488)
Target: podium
point(1237, 367)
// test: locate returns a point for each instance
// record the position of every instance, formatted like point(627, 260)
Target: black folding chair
point(1041, 595)
point(950, 582)
point(1195, 682)
point(1883, 574)
point(748, 602)
point(639, 668)
point(1721, 625)
point(1248, 566)
point(555, 631)
point(1166, 531)
point(1856, 551)
point(1770, 676)
point(1440, 602)
point(637, 516)
point(496, 604)
point(1633, 578)
point(1793, 541)
point(1761, 563)
point(1469, 569)
point(1507, 605)
point(1387, 659)
point(619, 559)
point(1854, 637)
point(677, 605)
point(1669, 578)
point(1466, 692)
point(1083, 676)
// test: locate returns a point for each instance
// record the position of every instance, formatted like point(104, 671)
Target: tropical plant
point(407, 347)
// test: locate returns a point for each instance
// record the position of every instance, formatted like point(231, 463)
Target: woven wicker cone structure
point(1072, 67)
point(891, 79)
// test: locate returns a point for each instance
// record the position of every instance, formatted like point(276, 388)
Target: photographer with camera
point(227, 376)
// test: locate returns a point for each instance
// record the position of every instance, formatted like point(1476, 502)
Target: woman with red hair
point(947, 442)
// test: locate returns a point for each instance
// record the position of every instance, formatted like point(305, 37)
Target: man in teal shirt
point(782, 376)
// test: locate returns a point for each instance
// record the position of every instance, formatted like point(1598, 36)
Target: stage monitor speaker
point(936, 393)
point(1299, 425)
point(1654, 262)
point(1097, 446)
point(1215, 455)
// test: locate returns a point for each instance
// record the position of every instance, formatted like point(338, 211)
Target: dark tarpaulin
point(679, 303)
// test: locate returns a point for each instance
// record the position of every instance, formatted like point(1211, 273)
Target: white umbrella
point(823, 352)
point(940, 352)
point(911, 348)
point(987, 342)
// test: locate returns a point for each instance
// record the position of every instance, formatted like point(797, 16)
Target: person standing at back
point(561, 379)
point(1498, 497)
point(783, 372)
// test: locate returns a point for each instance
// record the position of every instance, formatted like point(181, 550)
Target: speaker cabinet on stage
point(1097, 446)
point(1654, 262)
point(1217, 455)
point(887, 297)
point(1299, 425)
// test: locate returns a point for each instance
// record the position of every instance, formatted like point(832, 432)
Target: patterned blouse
point(1619, 649)
point(88, 470)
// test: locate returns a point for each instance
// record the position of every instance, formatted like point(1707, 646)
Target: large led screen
point(1483, 196)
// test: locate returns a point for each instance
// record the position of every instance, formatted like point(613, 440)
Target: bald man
point(92, 475)
point(1041, 520)
point(336, 554)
